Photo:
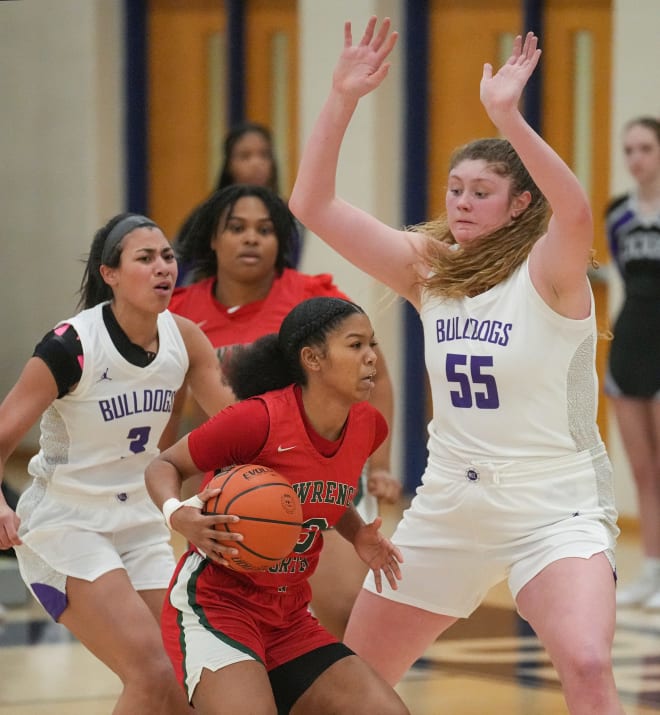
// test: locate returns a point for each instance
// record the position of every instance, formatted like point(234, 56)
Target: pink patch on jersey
point(81, 361)
point(61, 329)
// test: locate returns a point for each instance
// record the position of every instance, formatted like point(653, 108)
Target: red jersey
point(325, 485)
point(239, 325)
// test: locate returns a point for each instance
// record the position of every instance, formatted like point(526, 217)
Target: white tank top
point(510, 378)
point(99, 438)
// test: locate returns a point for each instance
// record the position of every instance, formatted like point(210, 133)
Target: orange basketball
point(269, 509)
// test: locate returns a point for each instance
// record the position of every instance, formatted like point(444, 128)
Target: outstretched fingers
point(348, 35)
point(516, 50)
point(369, 31)
point(392, 570)
point(385, 40)
point(381, 43)
point(383, 34)
point(529, 48)
point(528, 56)
point(522, 62)
point(524, 52)
point(362, 67)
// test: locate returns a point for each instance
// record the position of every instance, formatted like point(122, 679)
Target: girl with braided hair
point(304, 413)
point(241, 290)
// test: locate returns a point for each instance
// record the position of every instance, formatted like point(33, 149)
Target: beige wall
point(62, 166)
point(370, 167)
point(61, 159)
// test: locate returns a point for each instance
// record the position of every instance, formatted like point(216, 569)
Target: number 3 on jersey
point(474, 387)
point(139, 437)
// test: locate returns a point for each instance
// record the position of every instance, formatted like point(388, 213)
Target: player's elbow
point(309, 206)
point(584, 217)
point(298, 205)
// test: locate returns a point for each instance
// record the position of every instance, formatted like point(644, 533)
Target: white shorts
point(70, 534)
point(203, 647)
point(471, 526)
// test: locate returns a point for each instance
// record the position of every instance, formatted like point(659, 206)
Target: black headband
point(119, 230)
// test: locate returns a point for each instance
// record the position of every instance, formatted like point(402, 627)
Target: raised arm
point(558, 262)
point(385, 253)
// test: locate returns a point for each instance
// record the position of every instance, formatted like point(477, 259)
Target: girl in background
point(633, 380)
point(248, 158)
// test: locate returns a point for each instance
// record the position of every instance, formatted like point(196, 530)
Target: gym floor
point(491, 663)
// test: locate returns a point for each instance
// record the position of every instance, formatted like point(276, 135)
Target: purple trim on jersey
point(625, 217)
point(51, 599)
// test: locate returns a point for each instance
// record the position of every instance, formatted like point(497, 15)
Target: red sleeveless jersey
point(325, 485)
point(239, 325)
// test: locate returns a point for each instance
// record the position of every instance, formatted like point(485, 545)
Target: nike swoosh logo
point(286, 449)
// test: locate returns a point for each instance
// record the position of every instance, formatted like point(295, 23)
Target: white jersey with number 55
point(502, 366)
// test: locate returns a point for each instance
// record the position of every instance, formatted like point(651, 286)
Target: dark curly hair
point(193, 245)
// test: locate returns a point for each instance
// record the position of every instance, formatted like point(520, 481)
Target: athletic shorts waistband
point(498, 472)
point(133, 494)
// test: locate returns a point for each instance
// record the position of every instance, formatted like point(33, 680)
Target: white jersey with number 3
point(510, 378)
point(99, 438)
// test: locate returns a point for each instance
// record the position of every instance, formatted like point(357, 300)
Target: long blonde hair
point(469, 270)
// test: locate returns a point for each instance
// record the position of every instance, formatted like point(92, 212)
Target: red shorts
point(214, 617)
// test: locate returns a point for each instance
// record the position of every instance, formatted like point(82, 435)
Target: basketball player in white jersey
point(518, 483)
point(91, 545)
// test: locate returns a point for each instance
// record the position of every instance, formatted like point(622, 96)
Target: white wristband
point(169, 507)
point(172, 504)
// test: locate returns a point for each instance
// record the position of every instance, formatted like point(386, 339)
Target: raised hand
point(361, 68)
point(500, 93)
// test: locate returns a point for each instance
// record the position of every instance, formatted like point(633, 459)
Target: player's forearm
point(314, 188)
point(349, 524)
point(556, 181)
point(163, 481)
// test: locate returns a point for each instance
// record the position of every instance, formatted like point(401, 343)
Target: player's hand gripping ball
point(270, 514)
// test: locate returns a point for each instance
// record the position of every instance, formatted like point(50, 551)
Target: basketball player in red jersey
point(236, 244)
point(247, 642)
